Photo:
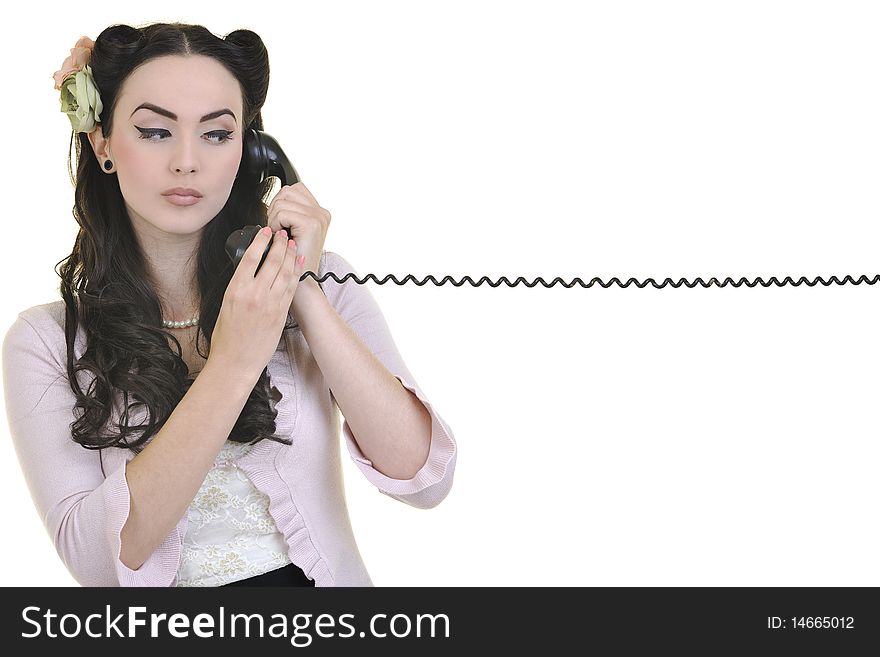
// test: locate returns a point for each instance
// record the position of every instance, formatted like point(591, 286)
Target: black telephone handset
point(261, 158)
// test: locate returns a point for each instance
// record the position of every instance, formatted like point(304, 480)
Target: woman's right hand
point(254, 309)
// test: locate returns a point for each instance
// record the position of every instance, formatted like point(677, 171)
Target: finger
point(279, 285)
point(295, 192)
point(293, 280)
point(300, 185)
point(277, 225)
point(271, 208)
point(305, 204)
point(294, 206)
point(282, 195)
point(273, 261)
point(251, 258)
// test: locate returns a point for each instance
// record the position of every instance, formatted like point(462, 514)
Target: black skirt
point(290, 575)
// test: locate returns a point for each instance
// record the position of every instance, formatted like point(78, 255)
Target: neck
point(177, 304)
point(171, 261)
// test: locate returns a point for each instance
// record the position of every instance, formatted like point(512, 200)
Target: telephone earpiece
point(261, 158)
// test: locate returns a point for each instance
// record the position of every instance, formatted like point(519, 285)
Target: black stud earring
point(108, 165)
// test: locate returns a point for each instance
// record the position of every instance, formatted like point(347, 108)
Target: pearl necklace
point(185, 324)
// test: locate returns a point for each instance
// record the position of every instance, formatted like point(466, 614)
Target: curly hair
point(105, 282)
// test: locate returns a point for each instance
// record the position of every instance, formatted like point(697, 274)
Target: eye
point(220, 136)
point(148, 134)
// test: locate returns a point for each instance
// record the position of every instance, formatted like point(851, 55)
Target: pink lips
point(180, 199)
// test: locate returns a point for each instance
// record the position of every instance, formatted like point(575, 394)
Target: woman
point(174, 427)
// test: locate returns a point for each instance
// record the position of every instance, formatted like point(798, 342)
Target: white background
point(704, 436)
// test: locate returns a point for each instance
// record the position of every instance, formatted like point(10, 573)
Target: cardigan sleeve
point(82, 511)
point(356, 305)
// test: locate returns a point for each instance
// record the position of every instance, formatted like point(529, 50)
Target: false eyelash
point(146, 133)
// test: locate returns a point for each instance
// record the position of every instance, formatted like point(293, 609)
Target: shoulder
point(45, 319)
point(36, 333)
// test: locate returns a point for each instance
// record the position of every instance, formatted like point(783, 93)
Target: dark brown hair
point(105, 282)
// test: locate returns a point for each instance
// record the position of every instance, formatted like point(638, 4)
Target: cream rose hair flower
point(80, 99)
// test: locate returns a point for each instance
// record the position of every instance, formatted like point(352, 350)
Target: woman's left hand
point(295, 209)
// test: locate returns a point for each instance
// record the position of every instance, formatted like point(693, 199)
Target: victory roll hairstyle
point(105, 281)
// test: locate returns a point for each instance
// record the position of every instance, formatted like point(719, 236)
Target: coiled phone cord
point(263, 157)
point(788, 280)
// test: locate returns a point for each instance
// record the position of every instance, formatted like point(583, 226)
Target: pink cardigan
point(84, 512)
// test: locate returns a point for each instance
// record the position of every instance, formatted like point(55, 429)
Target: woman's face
point(152, 152)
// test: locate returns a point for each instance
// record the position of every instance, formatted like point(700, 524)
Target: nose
point(185, 155)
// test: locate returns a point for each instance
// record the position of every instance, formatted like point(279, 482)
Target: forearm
point(165, 477)
point(391, 426)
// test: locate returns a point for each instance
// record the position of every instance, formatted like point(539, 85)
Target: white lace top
point(230, 535)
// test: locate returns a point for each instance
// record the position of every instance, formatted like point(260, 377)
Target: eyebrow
point(173, 116)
